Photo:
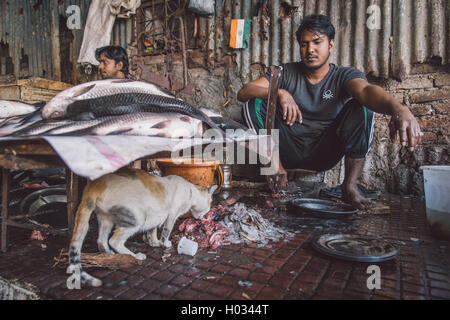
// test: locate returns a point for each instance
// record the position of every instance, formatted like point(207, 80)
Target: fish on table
point(11, 108)
point(118, 97)
point(168, 125)
point(57, 106)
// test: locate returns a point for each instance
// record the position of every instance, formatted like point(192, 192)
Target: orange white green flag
point(240, 33)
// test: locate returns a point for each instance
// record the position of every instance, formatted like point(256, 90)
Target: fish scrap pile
point(247, 225)
point(238, 224)
point(207, 232)
point(112, 106)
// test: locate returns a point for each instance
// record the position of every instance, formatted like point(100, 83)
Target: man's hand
point(407, 127)
point(290, 109)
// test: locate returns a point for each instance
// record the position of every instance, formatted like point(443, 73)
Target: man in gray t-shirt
point(325, 111)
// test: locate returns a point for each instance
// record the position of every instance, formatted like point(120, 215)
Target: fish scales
point(57, 106)
point(161, 124)
point(127, 103)
point(39, 127)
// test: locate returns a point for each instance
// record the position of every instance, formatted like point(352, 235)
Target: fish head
point(57, 106)
point(202, 205)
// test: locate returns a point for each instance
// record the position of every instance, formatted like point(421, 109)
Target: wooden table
point(30, 154)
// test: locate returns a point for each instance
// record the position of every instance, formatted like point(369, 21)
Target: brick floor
point(288, 270)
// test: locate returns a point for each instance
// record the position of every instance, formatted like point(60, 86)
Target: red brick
point(220, 291)
point(163, 276)
point(181, 281)
point(442, 80)
point(134, 280)
point(411, 83)
point(281, 280)
point(229, 281)
point(434, 122)
point(269, 293)
point(208, 296)
point(421, 110)
point(177, 268)
point(76, 294)
point(132, 294)
point(220, 268)
point(114, 290)
point(167, 290)
point(149, 285)
point(442, 108)
point(429, 137)
point(430, 95)
point(239, 272)
point(187, 294)
point(260, 277)
point(116, 277)
point(274, 263)
point(200, 285)
point(147, 272)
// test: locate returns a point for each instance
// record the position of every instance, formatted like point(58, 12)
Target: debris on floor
point(99, 260)
point(246, 224)
point(230, 225)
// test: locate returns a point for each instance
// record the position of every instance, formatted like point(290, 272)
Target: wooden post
point(72, 198)
point(5, 203)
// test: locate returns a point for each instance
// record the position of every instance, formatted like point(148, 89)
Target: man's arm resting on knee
point(378, 100)
point(260, 89)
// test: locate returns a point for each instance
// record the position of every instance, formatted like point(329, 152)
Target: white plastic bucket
point(186, 246)
point(437, 198)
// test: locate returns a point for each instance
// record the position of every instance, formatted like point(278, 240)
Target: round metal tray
point(355, 247)
point(319, 208)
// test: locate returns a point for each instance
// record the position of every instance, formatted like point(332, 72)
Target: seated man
point(323, 111)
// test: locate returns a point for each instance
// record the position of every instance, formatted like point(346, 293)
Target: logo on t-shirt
point(327, 95)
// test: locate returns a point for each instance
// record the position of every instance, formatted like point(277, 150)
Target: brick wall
point(389, 166)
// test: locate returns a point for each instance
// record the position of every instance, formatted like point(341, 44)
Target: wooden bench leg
point(72, 198)
point(5, 203)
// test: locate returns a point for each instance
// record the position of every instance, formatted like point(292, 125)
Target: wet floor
point(288, 269)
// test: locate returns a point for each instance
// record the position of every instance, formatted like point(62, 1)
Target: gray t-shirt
point(320, 102)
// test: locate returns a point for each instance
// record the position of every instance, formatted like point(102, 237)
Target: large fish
point(57, 106)
point(11, 108)
point(127, 103)
point(40, 127)
point(16, 123)
point(168, 125)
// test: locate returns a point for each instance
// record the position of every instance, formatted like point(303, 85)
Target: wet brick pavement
point(287, 270)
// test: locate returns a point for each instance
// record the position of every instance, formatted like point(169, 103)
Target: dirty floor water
point(284, 270)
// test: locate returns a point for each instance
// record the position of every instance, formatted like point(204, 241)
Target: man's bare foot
point(351, 195)
point(277, 182)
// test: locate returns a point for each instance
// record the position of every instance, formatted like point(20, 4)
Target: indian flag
point(240, 33)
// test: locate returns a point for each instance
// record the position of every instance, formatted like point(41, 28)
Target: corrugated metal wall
point(411, 31)
point(30, 25)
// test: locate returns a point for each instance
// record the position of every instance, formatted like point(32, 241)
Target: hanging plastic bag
point(202, 7)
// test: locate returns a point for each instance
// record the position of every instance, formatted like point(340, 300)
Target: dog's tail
point(88, 202)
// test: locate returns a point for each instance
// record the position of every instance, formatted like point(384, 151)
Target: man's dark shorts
point(317, 145)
